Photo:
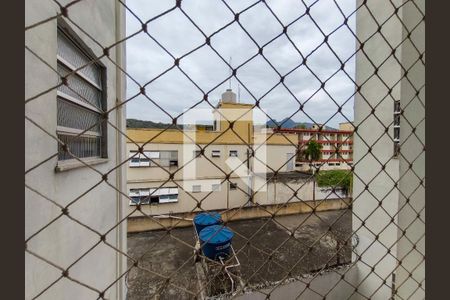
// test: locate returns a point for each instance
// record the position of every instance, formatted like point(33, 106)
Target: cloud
point(174, 92)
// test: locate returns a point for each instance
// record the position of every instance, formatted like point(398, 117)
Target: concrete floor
point(264, 248)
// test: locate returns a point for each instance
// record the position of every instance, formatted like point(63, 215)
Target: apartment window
point(397, 111)
point(215, 187)
point(153, 196)
point(215, 153)
point(197, 153)
point(139, 159)
point(233, 185)
point(167, 158)
point(80, 103)
point(233, 153)
point(154, 159)
point(196, 188)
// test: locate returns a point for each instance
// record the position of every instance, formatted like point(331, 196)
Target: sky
point(174, 92)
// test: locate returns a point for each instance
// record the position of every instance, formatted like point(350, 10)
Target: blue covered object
point(205, 219)
point(216, 241)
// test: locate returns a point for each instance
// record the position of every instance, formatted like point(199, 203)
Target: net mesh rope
point(269, 260)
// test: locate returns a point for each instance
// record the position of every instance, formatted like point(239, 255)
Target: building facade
point(226, 153)
point(68, 148)
point(336, 151)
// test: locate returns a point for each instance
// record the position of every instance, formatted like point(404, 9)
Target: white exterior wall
point(412, 152)
point(154, 177)
point(366, 206)
point(64, 241)
point(379, 222)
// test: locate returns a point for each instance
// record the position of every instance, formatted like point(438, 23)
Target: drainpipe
point(120, 147)
point(314, 189)
point(314, 180)
point(228, 195)
point(250, 177)
point(275, 191)
point(121, 289)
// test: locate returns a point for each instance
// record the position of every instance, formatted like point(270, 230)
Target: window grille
point(397, 113)
point(79, 102)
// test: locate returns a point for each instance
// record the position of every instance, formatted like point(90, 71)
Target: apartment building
point(205, 156)
point(60, 201)
point(337, 146)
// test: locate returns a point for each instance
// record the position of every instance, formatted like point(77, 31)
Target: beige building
point(201, 182)
point(337, 146)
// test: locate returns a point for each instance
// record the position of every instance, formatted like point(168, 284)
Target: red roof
point(299, 130)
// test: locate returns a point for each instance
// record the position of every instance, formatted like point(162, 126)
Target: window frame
point(233, 186)
point(234, 155)
point(64, 162)
point(194, 190)
point(148, 160)
point(215, 153)
point(216, 187)
point(149, 194)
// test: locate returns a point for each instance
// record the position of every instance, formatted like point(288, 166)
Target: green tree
point(312, 152)
point(301, 126)
point(336, 178)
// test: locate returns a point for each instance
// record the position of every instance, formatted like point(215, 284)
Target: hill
point(289, 123)
point(134, 123)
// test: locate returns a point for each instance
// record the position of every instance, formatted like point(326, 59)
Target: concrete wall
point(372, 251)
point(144, 223)
point(412, 197)
point(279, 193)
point(64, 241)
point(382, 220)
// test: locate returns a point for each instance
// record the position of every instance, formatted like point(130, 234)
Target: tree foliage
point(312, 151)
point(300, 126)
point(335, 178)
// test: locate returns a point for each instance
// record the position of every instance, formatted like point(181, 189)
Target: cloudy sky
point(175, 93)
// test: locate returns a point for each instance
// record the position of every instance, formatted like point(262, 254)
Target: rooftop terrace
point(171, 255)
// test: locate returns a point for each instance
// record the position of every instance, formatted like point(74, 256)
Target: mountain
point(289, 123)
point(134, 123)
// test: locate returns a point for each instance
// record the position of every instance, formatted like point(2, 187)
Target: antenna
point(239, 93)
point(231, 73)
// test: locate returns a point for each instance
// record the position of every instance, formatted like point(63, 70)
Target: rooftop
point(172, 255)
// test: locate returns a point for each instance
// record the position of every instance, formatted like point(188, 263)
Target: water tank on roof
point(216, 241)
point(229, 96)
point(206, 219)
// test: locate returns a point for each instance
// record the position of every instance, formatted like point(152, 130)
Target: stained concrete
point(163, 254)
